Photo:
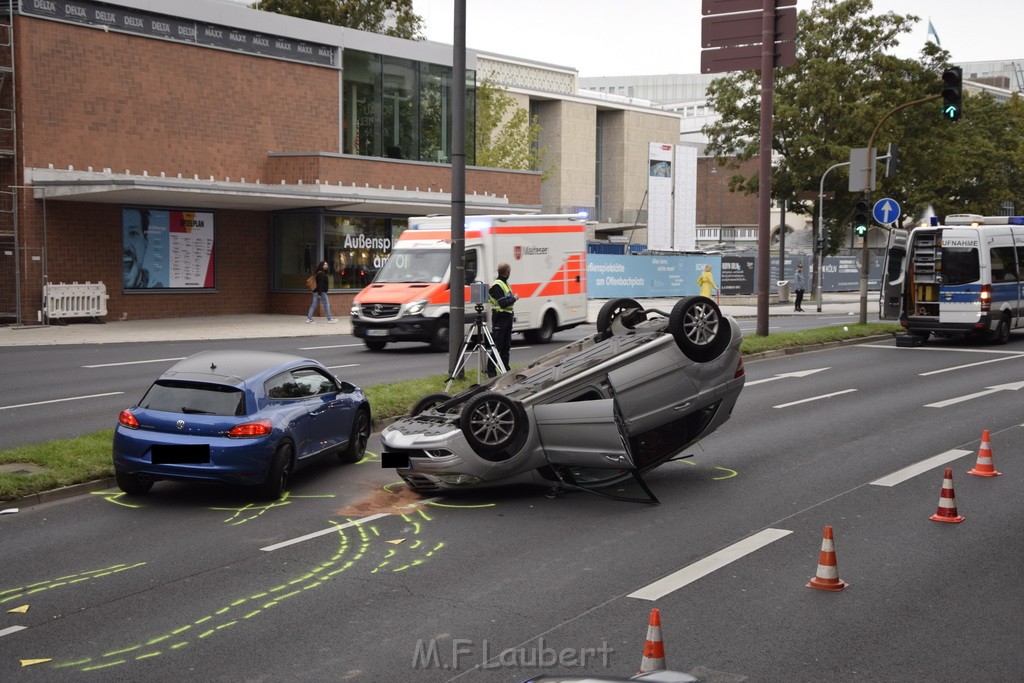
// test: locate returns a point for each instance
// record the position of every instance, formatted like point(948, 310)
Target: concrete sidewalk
point(269, 325)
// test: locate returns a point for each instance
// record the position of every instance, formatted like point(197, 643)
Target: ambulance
point(408, 300)
point(963, 278)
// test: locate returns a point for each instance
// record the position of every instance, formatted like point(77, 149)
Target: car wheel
point(626, 310)
point(358, 439)
point(439, 339)
point(375, 344)
point(546, 331)
point(492, 423)
point(280, 471)
point(133, 484)
point(429, 401)
point(1002, 334)
point(697, 325)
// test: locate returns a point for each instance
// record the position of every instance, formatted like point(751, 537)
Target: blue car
point(239, 417)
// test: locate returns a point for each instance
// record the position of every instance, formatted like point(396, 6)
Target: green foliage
point(388, 17)
point(66, 462)
point(842, 86)
point(506, 135)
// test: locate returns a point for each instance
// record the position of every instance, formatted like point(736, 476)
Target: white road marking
point(972, 365)
point(334, 346)
point(900, 476)
point(338, 527)
point(11, 629)
point(814, 398)
point(1013, 386)
point(798, 374)
point(324, 532)
point(134, 362)
point(58, 400)
point(701, 568)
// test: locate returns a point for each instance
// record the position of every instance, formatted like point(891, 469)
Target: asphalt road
point(199, 583)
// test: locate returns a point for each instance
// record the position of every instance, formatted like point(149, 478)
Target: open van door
point(893, 268)
point(585, 443)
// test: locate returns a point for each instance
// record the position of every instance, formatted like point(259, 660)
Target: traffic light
point(861, 216)
point(952, 93)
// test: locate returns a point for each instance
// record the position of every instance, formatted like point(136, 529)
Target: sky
point(641, 37)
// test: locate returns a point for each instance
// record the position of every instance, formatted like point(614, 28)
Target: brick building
point(199, 157)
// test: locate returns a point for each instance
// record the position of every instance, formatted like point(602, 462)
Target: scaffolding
point(10, 252)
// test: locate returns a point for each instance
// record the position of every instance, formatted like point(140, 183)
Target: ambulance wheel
point(628, 311)
point(439, 338)
point(546, 331)
point(494, 425)
point(700, 331)
point(375, 344)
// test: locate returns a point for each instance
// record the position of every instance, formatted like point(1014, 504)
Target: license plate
point(376, 333)
point(181, 455)
point(399, 460)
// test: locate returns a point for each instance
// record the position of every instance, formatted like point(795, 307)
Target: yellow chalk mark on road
point(33, 662)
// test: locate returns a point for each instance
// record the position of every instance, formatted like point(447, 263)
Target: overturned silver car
point(592, 414)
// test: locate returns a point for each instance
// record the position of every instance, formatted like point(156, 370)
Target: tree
point(843, 83)
point(388, 17)
point(506, 135)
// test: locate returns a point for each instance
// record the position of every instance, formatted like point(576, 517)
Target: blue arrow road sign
point(885, 211)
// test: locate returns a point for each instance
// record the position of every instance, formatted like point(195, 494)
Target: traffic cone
point(947, 501)
point(827, 578)
point(984, 467)
point(654, 649)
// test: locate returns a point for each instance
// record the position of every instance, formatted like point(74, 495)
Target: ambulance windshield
point(415, 265)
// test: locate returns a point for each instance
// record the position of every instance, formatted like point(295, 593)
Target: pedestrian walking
point(799, 283)
point(320, 293)
point(706, 281)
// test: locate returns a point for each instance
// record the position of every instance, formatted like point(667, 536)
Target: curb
point(62, 493)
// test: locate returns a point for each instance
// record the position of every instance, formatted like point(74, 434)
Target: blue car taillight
point(126, 419)
point(251, 430)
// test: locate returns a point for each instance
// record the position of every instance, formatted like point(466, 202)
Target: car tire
point(1002, 333)
point(439, 337)
point(628, 310)
point(546, 331)
point(429, 401)
point(358, 439)
point(132, 484)
point(700, 331)
point(279, 474)
point(375, 344)
point(493, 425)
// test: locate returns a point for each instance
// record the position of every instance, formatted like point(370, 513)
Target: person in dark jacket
point(799, 283)
point(502, 300)
point(320, 293)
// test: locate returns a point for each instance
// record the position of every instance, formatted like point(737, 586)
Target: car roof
point(232, 367)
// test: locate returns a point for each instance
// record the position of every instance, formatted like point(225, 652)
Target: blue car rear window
point(194, 398)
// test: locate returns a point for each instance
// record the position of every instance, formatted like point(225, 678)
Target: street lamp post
point(821, 229)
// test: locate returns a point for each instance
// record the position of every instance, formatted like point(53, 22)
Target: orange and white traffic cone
point(654, 648)
point(947, 501)
point(984, 467)
point(827, 578)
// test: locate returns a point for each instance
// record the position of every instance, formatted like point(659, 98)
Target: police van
point(960, 278)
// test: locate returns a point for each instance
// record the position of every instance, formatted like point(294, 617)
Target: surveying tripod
point(479, 341)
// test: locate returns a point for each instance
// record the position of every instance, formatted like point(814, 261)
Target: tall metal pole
point(457, 281)
point(765, 182)
point(821, 227)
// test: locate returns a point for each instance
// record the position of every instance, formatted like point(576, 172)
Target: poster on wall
point(685, 228)
point(167, 249)
point(659, 196)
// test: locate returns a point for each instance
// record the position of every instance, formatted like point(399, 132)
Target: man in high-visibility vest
point(502, 301)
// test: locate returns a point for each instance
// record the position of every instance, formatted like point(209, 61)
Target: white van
point(409, 300)
point(963, 278)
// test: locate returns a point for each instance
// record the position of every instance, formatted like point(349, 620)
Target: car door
point(328, 416)
point(656, 389)
point(890, 297)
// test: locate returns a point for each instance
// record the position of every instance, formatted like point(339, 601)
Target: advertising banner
point(167, 249)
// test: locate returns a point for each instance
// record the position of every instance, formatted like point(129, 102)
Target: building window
point(398, 109)
point(361, 103)
point(435, 113)
point(354, 246)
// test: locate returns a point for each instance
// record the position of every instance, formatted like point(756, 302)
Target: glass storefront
point(354, 246)
point(401, 109)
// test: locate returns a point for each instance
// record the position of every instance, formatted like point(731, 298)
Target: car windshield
point(415, 265)
point(194, 398)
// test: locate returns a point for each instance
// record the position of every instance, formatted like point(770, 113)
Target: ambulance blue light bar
point(1015, 220)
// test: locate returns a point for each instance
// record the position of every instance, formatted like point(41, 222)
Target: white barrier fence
point(88, 300)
